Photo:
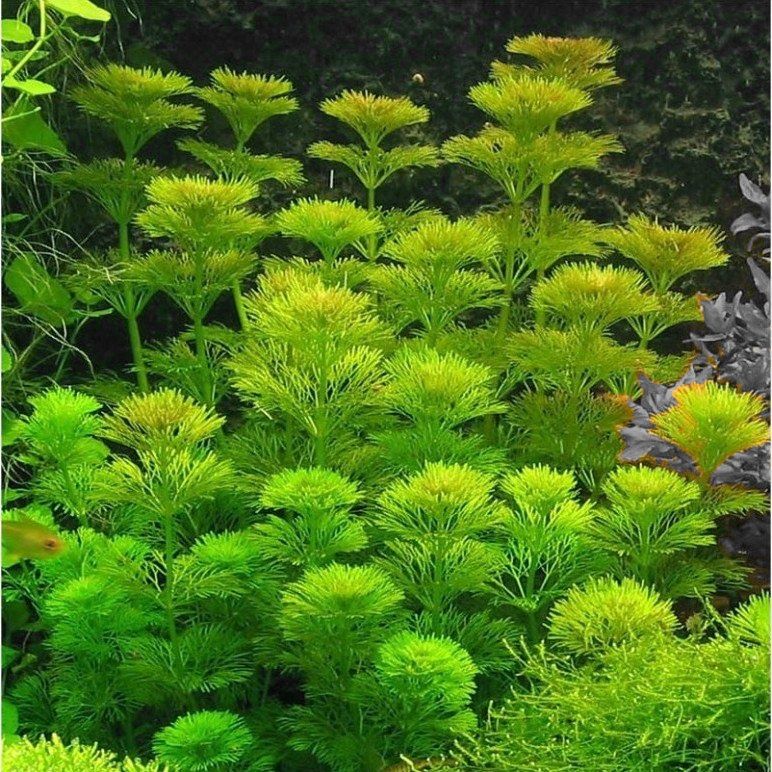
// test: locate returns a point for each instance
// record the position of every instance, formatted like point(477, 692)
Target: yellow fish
point(26, 538)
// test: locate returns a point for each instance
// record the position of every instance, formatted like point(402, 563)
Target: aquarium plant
point(367, 511)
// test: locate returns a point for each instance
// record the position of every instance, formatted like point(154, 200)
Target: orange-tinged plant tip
point(712, 422)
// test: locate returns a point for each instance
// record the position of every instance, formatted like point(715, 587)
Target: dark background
point(692, 113)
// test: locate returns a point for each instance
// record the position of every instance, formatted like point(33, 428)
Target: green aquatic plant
point(523, 152)
point(311, 360)
point(246, 101)
point(373, 118)
point(332, 536)
point(214, 234)
point(318, 523)
point(437, 530)
point(606, 613)
point(665, 255)
point(59, 441)
point(47, 754)
point(436, 277)
point(137, 105)
point(333, 619)
point(330, 226)
point(710, 423)
point(585, 63)
point(654, 524)
point(209, 740)
point(652, 701)
point(548, 544)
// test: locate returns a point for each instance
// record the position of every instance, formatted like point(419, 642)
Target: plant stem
point(509, 265)
point(320, 415)
point(197, 313)
point(134, 337)
point(544, 210)
point(371, 244)
point(238, 301)
point(129, 299)
point(169, 573)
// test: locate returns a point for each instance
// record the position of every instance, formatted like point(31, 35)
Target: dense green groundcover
point(327, 478)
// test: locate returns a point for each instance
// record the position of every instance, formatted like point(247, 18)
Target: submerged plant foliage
point(371, 506)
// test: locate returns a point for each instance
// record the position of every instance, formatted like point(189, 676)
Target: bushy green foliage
point(46, 755)
point(648, 704)
point(314, 541)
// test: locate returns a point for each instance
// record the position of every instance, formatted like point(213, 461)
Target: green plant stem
point(530, 619)
point(320, 415)
point(238, 301)
point(544, 210)
point(509, 264)
point(129, 299)
point(200, 337)
point(371, 243)
point(72, 493)
point(169, 547)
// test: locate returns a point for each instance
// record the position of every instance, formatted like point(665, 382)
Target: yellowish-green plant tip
point(751, 622)
point(442, 497)
point(162, 417)
point(305, 308)
point(426, 385)
point(309, 490)
point(591, 295)
point(200, 213)
point(666, 253)
point(712, 422)
point(336, 594)
point(328, 225)
point(646, 488)
point(135, 102)
point(444, 243)
point(247, 100)
point(540, 488)
point(249, 85)
point(437, 666)
point(605, 613)
point(581, 62)
point(197, 192)
point(239, 164)
point(527, 104)
point(46, 755)
point(374, 117)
